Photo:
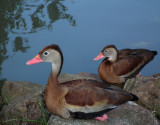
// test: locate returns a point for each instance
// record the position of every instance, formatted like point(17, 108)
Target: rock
point(96, 77)
point(148, 91)
point(82, 75)
point(30, 108)
point(1, 103)
point(67, 77)
point(26, 109)
point(132, 114)
point(89, 75)
point(126, 114)
point(25, 101)
point(14, 89)
point(57, 120)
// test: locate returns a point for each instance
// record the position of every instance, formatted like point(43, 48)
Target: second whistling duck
point(118, 66)
point(83, 99)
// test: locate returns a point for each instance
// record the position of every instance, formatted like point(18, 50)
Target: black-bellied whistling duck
point(118, 66)
point(86, 99)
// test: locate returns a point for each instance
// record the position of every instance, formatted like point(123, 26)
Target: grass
point(156, 111)
point(43, 121)
point(24, 120)
point(43, 111)
point(6, 102)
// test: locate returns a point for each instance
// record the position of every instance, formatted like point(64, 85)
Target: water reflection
point(31, 16)
point(20, 17)
point(28, 25)
point(55, 11)
point(19, 44)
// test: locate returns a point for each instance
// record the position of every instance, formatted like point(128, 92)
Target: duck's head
point(52, 54)
point(109, 52)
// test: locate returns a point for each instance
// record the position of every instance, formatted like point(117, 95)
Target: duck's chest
point(55, 101)
point(105, 69)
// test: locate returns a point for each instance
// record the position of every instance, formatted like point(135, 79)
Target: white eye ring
point(46, 53)
point(106, 51)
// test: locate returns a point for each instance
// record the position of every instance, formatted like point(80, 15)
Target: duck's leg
point(102, 118)
point(139, 74)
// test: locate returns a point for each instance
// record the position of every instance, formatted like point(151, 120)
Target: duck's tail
point(135, 98)
point(155, 52)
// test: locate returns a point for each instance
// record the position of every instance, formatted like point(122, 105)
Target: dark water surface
point(80, 27)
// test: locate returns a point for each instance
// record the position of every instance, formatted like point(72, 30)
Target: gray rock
point(148, 91)
point(14, 89)
point(56, 120)
point(126, 114)
point(132, 114)
point(67, 77)
point(82, 75)
point(89, 75)
point(25, 104)
point(23, 110)
point(29, 108)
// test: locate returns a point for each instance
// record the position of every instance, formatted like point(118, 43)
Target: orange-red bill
point(99, 56)
point(35, 60)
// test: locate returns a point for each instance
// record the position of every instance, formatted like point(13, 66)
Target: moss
point(156, 111)
point(129, 84)
point(156, 82)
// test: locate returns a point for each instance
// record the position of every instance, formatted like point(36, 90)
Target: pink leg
point(103, 118)
point(139, 74)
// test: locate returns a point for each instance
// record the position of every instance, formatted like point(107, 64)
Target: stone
point(126, 114)
point(30, 108)
point(1, 103)
point(82, 75)
point(148, 91)
point(57, 120)
point(26, 109)
point(23, 99)
point(89, 75)
point(132, 114)
point(67, 77)
point(14, 89)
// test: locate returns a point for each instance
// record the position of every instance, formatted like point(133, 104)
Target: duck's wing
point(127, 66)
point(89, 99)
point(128, 52)
point(88, 82)
point(130, 62)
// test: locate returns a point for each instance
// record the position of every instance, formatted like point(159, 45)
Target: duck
point(81, 98)
point(120, 65)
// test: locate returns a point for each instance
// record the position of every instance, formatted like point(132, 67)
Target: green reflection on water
point(24, 17)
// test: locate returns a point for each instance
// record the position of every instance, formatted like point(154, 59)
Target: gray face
point(110, 54)
point(50, 55)
point(54, 57)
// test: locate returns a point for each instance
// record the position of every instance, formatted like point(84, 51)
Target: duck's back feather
point(85, 96)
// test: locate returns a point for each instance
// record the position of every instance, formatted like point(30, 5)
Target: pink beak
point(35, 60)
point(99, 56)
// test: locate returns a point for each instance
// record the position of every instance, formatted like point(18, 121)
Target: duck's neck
point(57, 65)
point(53, 81)
point(52, 88)
point(56, 69)
point(53, 91)
point(53, 78)
point(113, 57)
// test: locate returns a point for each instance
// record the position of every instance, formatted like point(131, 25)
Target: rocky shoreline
point(23, 103)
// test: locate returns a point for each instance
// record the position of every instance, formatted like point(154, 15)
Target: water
point(80, 27)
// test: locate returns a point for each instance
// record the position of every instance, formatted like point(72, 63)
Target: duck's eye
point(45, 53)
point(106, 51)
